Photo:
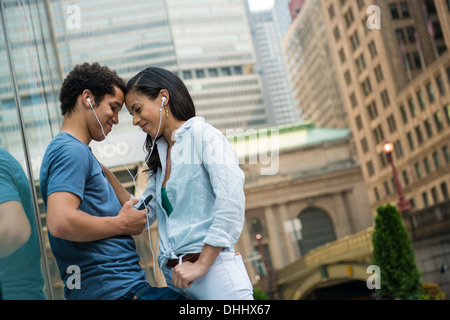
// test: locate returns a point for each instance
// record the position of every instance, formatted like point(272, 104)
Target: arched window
point(317, 229)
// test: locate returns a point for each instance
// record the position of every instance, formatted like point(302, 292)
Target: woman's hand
point(183, 275)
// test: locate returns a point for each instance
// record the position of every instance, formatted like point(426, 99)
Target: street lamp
point(403, 204)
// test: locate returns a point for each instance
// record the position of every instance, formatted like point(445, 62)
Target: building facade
point(313, 76)
point(316, 197)
point(393, 63)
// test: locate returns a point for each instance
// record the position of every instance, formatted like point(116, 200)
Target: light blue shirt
point(205, 188)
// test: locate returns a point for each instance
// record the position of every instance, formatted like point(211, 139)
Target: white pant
point(226, 279)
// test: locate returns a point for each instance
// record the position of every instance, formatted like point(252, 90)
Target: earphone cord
point(134, 182)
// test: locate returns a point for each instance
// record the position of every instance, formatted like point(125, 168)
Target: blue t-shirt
point(20, 273)
point(110, 267)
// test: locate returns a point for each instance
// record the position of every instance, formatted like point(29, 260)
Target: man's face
point(107, 113)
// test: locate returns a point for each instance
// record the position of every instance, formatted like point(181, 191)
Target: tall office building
point(30, 79)
point(216, 59)
point(208, 45)
point(311, 71)
point(267, 28)
point(394, 72)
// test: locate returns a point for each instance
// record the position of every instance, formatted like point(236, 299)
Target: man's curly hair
point(99, 80)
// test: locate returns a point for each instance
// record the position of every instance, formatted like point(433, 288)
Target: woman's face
point(146, 112)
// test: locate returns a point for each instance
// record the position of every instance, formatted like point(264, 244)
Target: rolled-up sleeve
point(227, 181)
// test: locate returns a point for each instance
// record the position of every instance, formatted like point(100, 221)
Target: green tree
point(394, 254)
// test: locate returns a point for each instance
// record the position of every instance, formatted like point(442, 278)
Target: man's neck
point(77, 128)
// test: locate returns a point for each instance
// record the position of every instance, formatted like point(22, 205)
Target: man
point(20, 257)
point(89, 228)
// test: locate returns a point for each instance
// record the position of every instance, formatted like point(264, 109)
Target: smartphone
point(144, 203)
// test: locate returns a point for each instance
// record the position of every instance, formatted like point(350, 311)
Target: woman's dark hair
point(150, 82)
point(99, 80)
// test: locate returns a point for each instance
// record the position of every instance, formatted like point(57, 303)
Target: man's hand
point(130, 220)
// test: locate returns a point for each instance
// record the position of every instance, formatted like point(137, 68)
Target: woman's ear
point(165, 97)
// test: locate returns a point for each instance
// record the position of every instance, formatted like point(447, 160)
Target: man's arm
point(66, 221)
point(15, 229)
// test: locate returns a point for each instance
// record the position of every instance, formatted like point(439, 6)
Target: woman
point(197, 189)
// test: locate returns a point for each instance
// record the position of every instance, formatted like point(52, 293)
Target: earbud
point(162, 103)
point(89, 100)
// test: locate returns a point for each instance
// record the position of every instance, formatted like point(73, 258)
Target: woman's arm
point(122, 194)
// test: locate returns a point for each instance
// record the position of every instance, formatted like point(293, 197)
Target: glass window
point(26, 268)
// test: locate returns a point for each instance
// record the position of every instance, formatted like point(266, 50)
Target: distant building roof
point(290, 137)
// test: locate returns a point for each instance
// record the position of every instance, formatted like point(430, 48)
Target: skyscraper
point(268, 27)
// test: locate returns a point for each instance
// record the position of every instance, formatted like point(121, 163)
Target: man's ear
point(86, 97)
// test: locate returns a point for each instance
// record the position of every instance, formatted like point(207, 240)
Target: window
point(437, 162)
point(426, 203)
point(317, 229)
point(418, 170)
point(348, 78)
point(360, 4)
point(336, 33)
point(410, 31)
point(378, 134)
point(370, 168)
point(364, 145)
point(187, 74)
point(412, 107)
point(403, 113)
point(349, 17)
point(444, 191)
point(394, 11)
point(404, 9)
point(419, 135)
point(367, 88)
point(379, 74)
point(405, 177)
point(361, 63)
point(331, 12)
point(400, 35)
point(440, 84)
point(426, 164)
point(434, 195)
point(377, 194)
point(373, 52)
point(200, 73)
point(354, 39)
point(428, 128)
point(447, 112)
point(398, 149)
point(237, 70)
point(391, 124)
point(387, 188)
point(410, 141)
point(353, 100)
point(430, 92)
point(358, 122)
point(226, 71)
point(446, 152)
point(385, 98)
point(213, 72)
point(421, 99)
point(372, 110)
point(438, 120)
point(383, 159)
point(342, 55)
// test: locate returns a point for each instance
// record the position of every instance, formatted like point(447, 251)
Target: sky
point(256, 5)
